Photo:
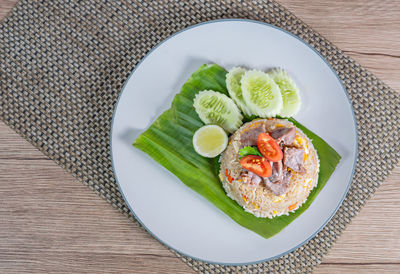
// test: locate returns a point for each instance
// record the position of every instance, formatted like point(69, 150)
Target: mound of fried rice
point(259, 199)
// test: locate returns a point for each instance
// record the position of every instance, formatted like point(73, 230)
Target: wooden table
point(52, 223)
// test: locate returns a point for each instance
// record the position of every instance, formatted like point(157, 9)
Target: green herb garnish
point(249, 150)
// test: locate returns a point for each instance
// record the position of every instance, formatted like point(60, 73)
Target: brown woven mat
point(63, 64)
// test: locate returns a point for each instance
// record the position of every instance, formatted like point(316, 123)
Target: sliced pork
point(249, 137)
point(284, 135)
point(293, 158)
point(277, 172)
point(251, 178)
point(280, 187)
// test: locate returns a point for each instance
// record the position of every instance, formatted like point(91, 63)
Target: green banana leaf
point(169, 142)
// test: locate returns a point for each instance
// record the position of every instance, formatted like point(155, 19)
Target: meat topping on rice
point(280, 187)
point(250, 177)
point(249, 137)
point(284, 135)
point(277, 172)
point(293, 159)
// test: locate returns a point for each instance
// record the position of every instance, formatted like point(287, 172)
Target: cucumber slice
point(261, 94)
point(290, 92)
point(218, 109)
point(235, 90)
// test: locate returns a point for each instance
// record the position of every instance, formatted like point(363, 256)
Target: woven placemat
point(63, 64)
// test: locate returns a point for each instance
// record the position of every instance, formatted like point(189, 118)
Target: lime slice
point(290, 92)
point(218, 109)
point(235, 90)
point(261, 94)
point(209, 141)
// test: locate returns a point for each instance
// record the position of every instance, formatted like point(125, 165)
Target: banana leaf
point(169, 142)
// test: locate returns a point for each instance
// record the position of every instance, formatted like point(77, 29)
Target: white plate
point(175, 214)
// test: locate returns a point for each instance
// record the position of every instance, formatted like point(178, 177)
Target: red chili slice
point(230, 179)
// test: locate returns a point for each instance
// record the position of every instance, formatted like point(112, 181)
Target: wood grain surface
point(49, 222)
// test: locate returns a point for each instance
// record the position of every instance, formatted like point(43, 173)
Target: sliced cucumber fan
point(218, 109)
point(234, 88)
point(290, 92)
point(261, 94)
